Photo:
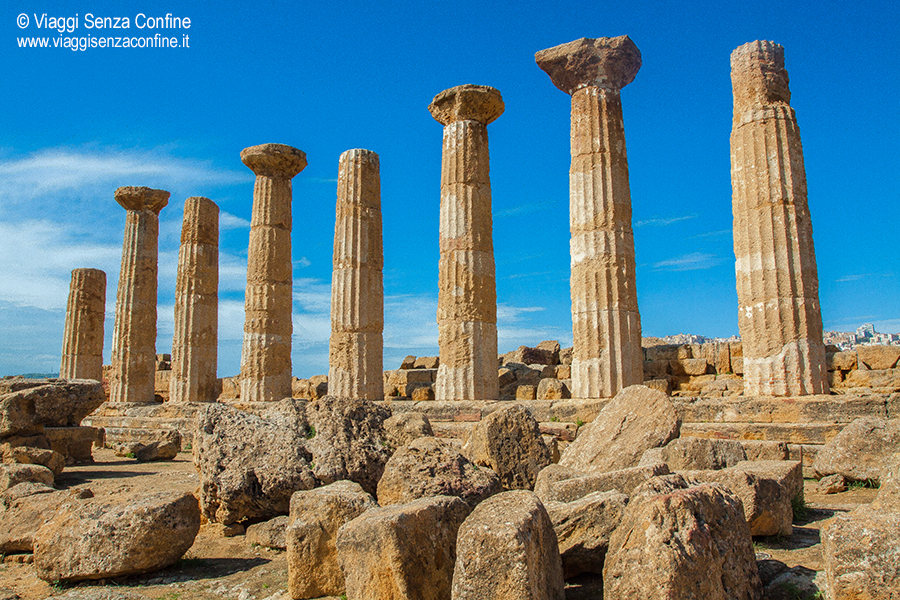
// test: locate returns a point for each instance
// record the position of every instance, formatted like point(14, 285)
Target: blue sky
point(76, 125)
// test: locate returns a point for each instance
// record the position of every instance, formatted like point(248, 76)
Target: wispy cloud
point(663, 221)
point(711, 234)
point(688, 262)
point(93, 169)
point(522, 209)
point(229, 221)
point(859, 276)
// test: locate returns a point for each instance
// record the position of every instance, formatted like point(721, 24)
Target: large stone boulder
point(704, 454)
point(348, 440)
point(560, 484)
point(268, 534)
point(878, 357)
point(402, 428)
point(25, 508)
point(26, 455)
point(765, 490)
point(507, 548)
point(690, 543)
point(636, 420)
point(861, 550)
point(316, 516)
point(403, 551)
point(509, 442)
point(583, 529)
point(434, 467)
point(101, 538)
point(861, 450)
point(250, 464)
point(47, 402)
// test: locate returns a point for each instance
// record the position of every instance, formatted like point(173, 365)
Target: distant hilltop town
point(864, 336)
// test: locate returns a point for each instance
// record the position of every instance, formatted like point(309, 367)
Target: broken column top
point(274, 160)
point(141, 198)
point(607, 63)
point(758, 76)
point(467, 102)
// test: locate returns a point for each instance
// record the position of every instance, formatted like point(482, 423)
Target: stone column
point(133, 373)
point(357, 291)
point(606, 324)
point(266, 353)
point(82, 350)
point(467, 297)
point(195, 343)
point(777, 283)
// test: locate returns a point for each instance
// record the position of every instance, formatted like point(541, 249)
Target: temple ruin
point(82, 351)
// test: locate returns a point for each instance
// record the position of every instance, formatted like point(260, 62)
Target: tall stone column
point(133, 372)
point(357, 290)
point(777, 283)
point(467, 296)
point(606, 324)
point(82, 349)
point(195, 343)
point(266, 353)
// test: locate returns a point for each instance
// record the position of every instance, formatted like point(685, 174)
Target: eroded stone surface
point(266, 352)
point(82, 350)
point(777, 282)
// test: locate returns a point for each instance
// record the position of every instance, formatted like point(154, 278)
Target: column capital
point(141, 198)
point(274, 160)
point(758, 76)
point(467, 102)
point(606, 63)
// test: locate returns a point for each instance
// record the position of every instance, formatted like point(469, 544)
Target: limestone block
point(403, 551)
point(878, 357)
point(82, 350)
point(690, 453)
point(315, 518)
point(12, 474)
point(97, 539)
point(860, 451)
point(429, 466)
point(583, 528)
point(552, 389)
point(557, 483)
point(636, 420)
point(888, 497)
point(690, 543)
point(861, 551)
point(526, 392)
point(268, 534)
point(688, 366)
point(507, 548)
point(26, 513)
point(840, 361)
point(25, 455)
point(765, 450)
point(884, 381)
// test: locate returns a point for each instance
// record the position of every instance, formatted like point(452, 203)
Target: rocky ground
point(218, 567)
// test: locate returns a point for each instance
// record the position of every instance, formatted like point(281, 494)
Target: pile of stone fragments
point(370, 504)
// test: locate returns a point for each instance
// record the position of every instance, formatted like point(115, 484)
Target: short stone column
point(467, 296)
point(777, 283)
point(133, 373)
point(195, 343)
point(266, 353)
point(606, 324)
point(82, 349)
point(357, 290)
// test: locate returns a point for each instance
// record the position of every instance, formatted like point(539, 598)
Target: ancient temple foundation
point(133, 360)
point(82, 350)
point(606, 324)
point(194, 345)
point(467, 296)
point(357, 290)
point(777, 283)
point(266, 353)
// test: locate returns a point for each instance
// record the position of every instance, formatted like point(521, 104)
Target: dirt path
point(217, 567)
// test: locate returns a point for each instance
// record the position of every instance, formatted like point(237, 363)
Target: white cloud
point(688, 262)
point(229, 221)
point(663, 221)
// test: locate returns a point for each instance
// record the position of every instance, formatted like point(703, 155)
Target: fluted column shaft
point(777, 281)
point(133, 373)
point(357, 291)
point(467, 289)
point(195, 343)
point(266, 352)
point(82, 349)
point(606, 324)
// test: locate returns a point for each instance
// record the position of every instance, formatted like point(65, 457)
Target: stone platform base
point(804, 423)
